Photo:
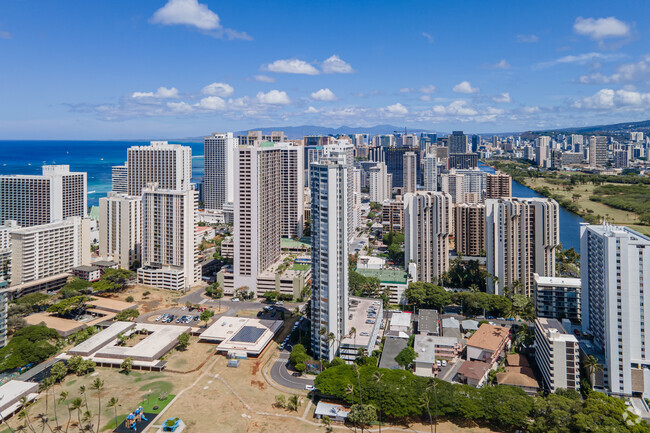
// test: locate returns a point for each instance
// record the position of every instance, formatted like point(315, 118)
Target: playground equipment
point(135, 417)
point(171, 424)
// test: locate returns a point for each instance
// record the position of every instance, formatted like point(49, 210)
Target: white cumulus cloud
point(609, 99)
point(212, 103)
point(161, 93)
point(180, 107)
point(528, 39)
point(465, 87)
point(625, 73)
point(194, 14)
point(503, 98)
point(274, 97)
point(218, 89)
point(396, 109)
point(601, 28)
point(292, 66)
point(311, 110)
point(456, 108)
point(427, 90)
point(501, 64)
point(334, 65)
point(324, 95)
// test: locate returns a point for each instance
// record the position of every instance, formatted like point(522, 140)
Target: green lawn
point(157, 387)
point(147, 407)
point(300, 267)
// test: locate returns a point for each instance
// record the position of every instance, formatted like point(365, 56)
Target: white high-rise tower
point(219, 172)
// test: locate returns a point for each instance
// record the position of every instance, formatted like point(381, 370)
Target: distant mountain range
point(613, 129)
point(296, 132)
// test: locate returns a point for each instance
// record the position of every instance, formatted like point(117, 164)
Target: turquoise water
point(94, 157)
point(569, 222)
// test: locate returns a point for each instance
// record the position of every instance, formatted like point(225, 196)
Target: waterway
point(569, 222)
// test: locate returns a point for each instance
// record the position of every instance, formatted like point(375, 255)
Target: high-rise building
point(218, 177)
point(256, 137)
point(498, 185)
point(45, 250)
point(168, 165)
point(454, 184)
point(120, 229)
point(427, 226)
point(394, 159)
point(410, 173)
point(597, 151)
point(329, 252)
point(430, 174)
point(576, 141)
point(476, 142)
point(343, 147)
point(169, 247)
point(384, 141)
point(120, 178)
point(615, 272)
point(355, 222)
point(458, 142)
point(475, 181)
point(521, 235)
point(469, 229)
point(462, 161)
point(5, 250)
point(4, 308)
point(392, 215)
point(53, 196)
point(258, 211)
point(621, 159)
point(378, 182)
point(292, 199)
point(543, 151)
point(557, 355)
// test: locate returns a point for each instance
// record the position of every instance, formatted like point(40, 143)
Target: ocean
point(94, 157)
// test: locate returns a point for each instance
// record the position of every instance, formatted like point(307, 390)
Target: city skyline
point(156, 68)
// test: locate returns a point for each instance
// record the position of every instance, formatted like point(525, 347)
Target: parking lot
point(179, 316)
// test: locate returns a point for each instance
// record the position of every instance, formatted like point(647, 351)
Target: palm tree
point(88, 419)
point(433, 385)
point(349, 390)
point(76, 404)
point(356, 370)
point(63, 398)
point(97, 385)
point(3, 421)
point(353, 334)
point(24, 413)
point(113, 402)
point(591, 364)
point(378, 377)
point(82, 391)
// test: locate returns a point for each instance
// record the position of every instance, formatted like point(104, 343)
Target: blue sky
point(175, 68)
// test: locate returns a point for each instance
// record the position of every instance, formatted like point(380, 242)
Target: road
point(282, 376)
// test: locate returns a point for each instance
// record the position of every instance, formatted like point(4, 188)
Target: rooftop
point(557, 281)
point(425, 348)
point(428, 321)
point(359, 310)
point(292, 243)
point(488, 337)
point(331, 409)
point(241, 334)
point(553, 330)
point(522, 378)
point(474, 369)
point(401, 319)
point(392, 347)
point(386, 276)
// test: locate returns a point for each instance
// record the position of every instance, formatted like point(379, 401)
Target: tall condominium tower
point(380, 188)
point(53, 196)
point(597, 151)
point(615, 272)
point(257, 137)
point(557, 355)
point(258, 212)
point(292, 199)
point(219, 172)
point(454, 184)
point(343, 147)
point(394, 159)
point(120, 228)
point(120, 178)
point(427, 226)
point(543, 151)
point(521, 237)
point(410, 173)
point(430, 167)
point(46, 250)
point(168, 165)
point(169, 249)
point(498, 185)
point(469, 229)
point(458, 143)
point(329, 252)
point(476, 142)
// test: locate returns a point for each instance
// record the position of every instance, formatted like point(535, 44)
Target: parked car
point(309, 387)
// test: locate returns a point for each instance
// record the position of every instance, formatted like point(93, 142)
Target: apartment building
point(427, 226)
point(392, 215)
point(498, 185)
point(54, 195)
point(167, 165)
point(120, 229)
point(218, 177)
point(380, 187)
point(615, 272)
point(469, 229)
point(120, 178)
point(430, 172)
point(329, 253)
point(169, 249)
point(410, 173)
point(47, 250)
point(557, 297)
point(557, 354)
point(521, 236)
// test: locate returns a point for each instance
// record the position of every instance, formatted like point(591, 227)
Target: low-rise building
point(364, 315)
point(425, 361)
point(428, 322)
point(394, 280)
point(474, 373)
point(448, 348)
point(88, 273)
point(400, 324)
point(488, 344)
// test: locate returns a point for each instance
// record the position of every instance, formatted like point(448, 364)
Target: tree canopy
point(114, 280)
point(29, 345)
